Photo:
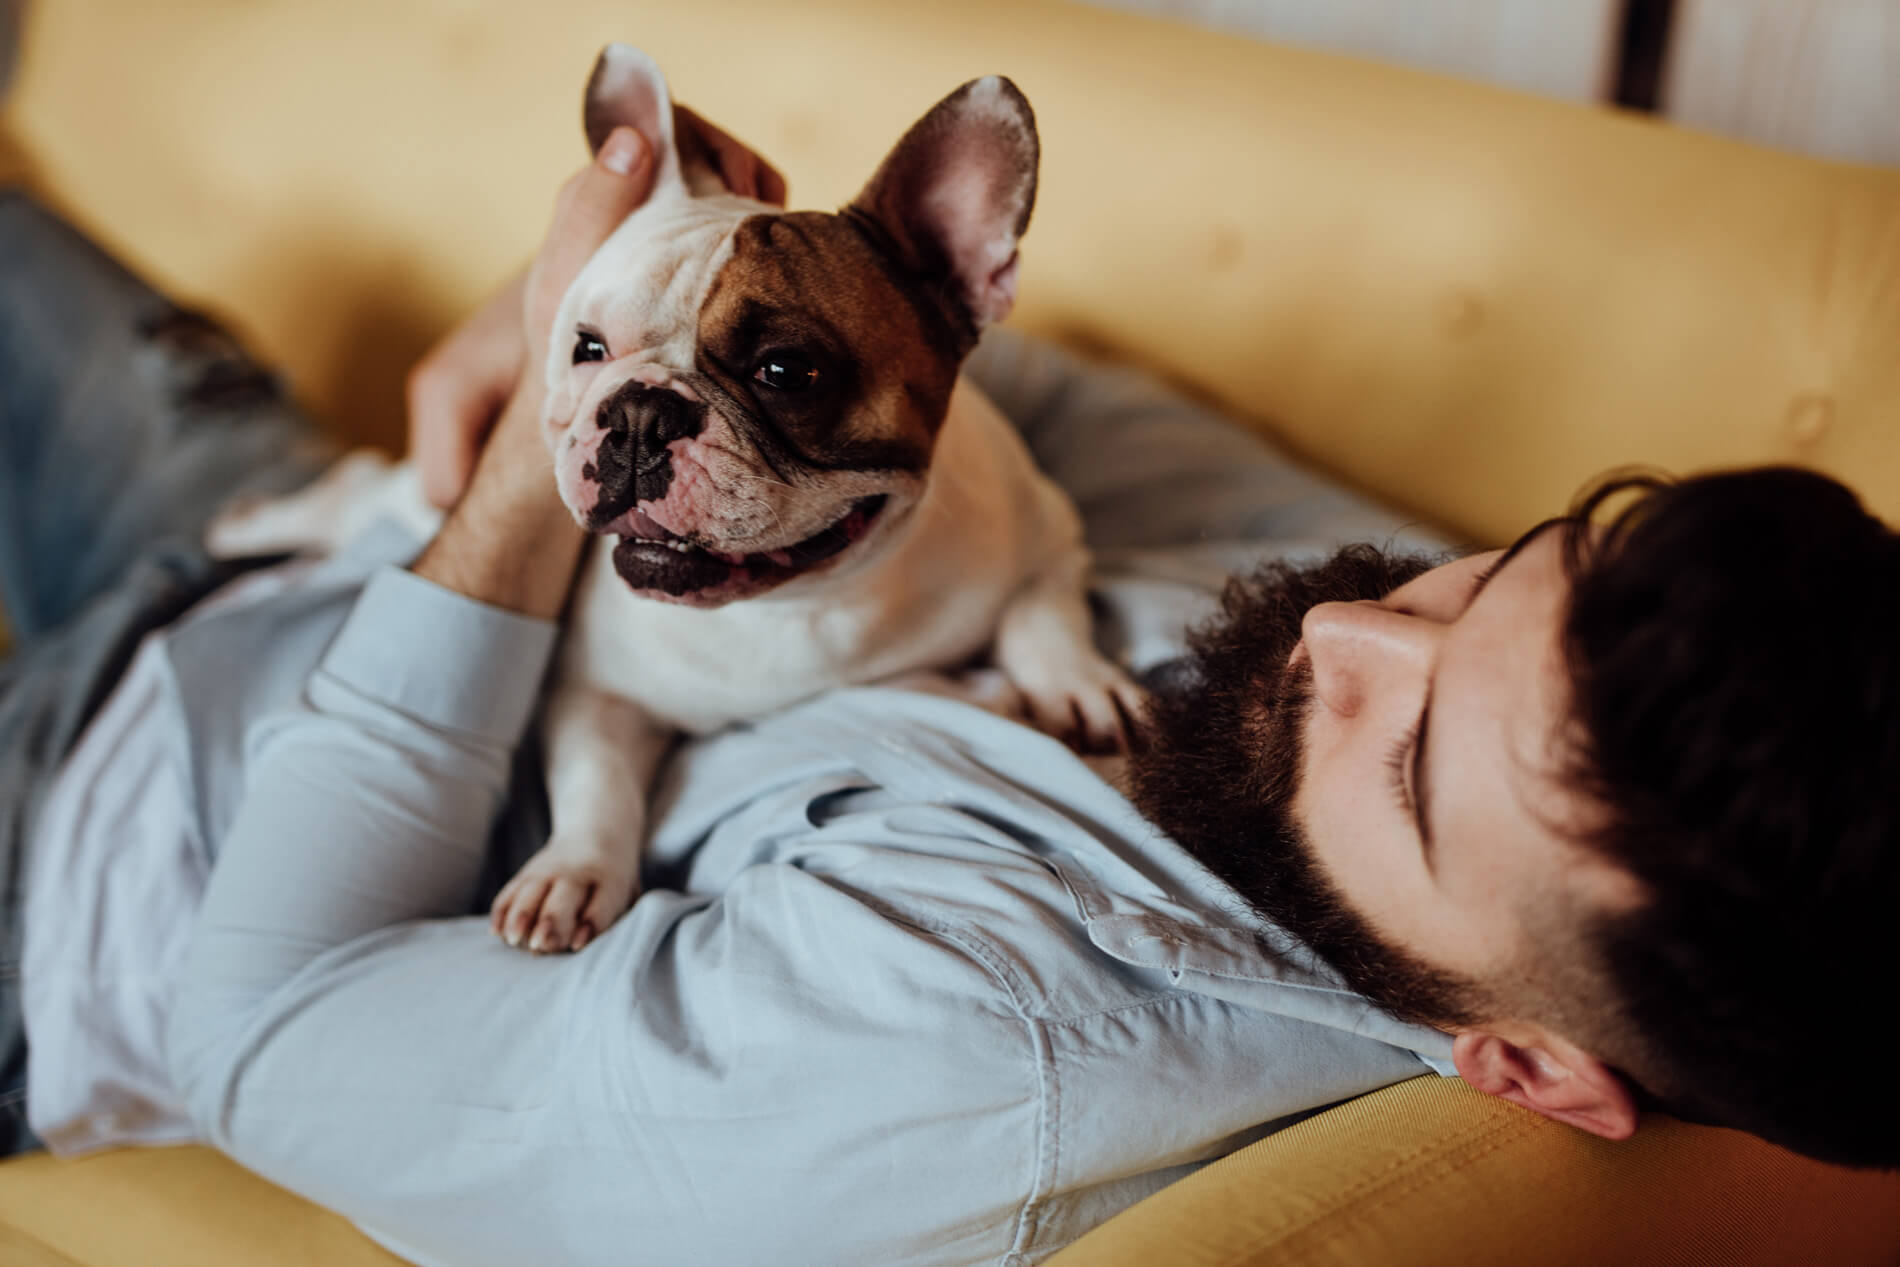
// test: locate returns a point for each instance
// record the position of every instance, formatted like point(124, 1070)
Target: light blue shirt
point(911, 984)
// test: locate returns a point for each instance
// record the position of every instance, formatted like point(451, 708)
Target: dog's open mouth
point(649, 558)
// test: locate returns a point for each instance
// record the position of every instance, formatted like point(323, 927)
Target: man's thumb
point(590, 207)
point(609, 188)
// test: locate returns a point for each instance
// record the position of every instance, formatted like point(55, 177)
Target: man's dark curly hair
point(1733, 647)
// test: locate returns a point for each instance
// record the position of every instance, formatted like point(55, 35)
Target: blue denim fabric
point(125, 422)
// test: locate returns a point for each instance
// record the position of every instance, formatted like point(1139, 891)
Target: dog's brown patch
point(822, 287)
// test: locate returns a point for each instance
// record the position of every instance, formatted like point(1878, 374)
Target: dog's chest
point(698, 670)
point(929, 600)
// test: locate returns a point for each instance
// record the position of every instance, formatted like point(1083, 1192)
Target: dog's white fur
point(984, 551)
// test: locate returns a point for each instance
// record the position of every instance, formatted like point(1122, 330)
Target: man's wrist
point(509, 542)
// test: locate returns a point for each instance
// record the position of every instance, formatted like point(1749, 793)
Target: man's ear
point(1546, 1074)
point(955, 195)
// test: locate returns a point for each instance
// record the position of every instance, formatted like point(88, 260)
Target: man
point(909, 982)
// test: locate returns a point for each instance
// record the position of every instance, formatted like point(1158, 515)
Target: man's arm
point(369, 803)
point(510, 542)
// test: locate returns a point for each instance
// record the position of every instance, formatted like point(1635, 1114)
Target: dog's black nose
point(654, 416)
point(632, 464)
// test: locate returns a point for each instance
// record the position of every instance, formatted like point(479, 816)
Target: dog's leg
point(602, 753)
point(1044, 647)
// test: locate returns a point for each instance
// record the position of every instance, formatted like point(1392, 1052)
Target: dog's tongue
point(639, 525)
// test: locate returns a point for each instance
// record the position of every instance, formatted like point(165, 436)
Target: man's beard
point(1217, 764)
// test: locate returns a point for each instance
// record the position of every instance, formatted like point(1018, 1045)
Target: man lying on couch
point(1603, 816)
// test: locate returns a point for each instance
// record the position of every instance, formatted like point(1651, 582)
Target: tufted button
point(1461, 314)
point(1809, 416)
point(1224, 249)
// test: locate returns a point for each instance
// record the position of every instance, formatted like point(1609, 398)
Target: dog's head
point(745, 396)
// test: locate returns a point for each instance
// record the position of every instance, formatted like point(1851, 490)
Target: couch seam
point(1491, 1139)
point(1318, 1236)
point(1048, 1089)
point(1043, 1184)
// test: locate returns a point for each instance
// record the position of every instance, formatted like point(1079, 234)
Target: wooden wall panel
point(1820, 76)
point(1560, 48)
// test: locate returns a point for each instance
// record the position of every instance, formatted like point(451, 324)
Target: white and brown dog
point(764, 408)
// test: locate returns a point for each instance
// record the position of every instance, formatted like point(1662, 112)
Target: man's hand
point(509, 541)
point(458, 389)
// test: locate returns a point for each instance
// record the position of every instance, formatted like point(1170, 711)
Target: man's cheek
point(1345, 822)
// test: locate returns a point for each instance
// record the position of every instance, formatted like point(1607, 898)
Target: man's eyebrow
point(1420, 797)
point(1477, 586)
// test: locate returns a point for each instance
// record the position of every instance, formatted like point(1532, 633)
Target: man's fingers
point(597, 198)
point(443, 437)
point(590, 207)
point(457, 390)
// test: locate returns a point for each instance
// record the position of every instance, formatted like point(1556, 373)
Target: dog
point(764, 409)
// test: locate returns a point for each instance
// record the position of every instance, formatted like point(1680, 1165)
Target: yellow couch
point(1464, 300)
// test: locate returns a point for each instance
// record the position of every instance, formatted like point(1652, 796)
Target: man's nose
point(1367, 655)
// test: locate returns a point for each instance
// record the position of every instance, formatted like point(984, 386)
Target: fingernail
point(624, 148)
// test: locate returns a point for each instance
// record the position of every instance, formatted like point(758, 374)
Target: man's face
point(1387, 791)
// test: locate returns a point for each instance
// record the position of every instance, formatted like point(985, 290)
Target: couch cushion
point(168, 1207)
point(1430, 1173)
point(1427, 1173)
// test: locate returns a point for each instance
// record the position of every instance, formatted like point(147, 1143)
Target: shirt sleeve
point(669, 1092)
point(368, 804)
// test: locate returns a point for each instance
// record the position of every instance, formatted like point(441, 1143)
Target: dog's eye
point(786, 372)
point(589, 348)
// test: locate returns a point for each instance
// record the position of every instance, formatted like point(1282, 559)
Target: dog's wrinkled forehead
point(644, 286)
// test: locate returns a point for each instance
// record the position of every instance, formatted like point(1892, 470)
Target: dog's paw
point(564, 897)
point(1083, 699)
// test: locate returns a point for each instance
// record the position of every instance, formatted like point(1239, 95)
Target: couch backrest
point(1466, 300)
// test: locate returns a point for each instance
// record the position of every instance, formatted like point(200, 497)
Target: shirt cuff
point(442, 657)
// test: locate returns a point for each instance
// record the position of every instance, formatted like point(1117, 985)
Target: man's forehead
point(1504, 691)
point(1526, 819)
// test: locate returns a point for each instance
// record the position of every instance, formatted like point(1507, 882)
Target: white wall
point(1819, 76)
point(1561, 48)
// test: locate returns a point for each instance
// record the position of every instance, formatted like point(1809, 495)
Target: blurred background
point(1818, 76)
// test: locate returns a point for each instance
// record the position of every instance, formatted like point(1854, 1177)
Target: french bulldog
point(760, 414)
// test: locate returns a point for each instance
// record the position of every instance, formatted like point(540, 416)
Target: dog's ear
point(955, 195)
point(628, 90)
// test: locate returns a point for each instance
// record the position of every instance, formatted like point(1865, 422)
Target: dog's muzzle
point(632, 463)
